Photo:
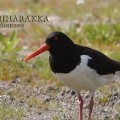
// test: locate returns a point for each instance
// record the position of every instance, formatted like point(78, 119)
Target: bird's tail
point(107, 79)
point(117, 76)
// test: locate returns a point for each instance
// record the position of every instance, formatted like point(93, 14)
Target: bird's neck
point(64, 61)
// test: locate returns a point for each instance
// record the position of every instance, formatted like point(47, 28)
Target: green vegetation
point(8, 44)
point(10, 112)
point(94, 24)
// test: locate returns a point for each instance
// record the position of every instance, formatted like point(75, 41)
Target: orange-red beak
point(42, 49)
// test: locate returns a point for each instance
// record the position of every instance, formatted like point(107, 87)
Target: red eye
point(56, 38)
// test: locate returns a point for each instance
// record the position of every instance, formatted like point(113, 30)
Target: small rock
point(72, 92)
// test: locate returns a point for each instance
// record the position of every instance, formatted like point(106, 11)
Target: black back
point(99, 62)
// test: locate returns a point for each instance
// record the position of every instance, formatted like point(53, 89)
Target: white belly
point(79, 78)
point(85, 78)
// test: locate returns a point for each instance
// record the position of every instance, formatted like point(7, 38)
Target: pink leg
point(91, 104)
point(81, 106)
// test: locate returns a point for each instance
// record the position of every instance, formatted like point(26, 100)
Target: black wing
point(100, 62)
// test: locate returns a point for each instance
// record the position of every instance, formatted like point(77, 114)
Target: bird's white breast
point(85, 78)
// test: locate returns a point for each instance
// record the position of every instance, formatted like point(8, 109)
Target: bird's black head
point(57, 37)
point(58, 42)
point(64, 56)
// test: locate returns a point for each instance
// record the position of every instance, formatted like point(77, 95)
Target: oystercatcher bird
point(78, 67)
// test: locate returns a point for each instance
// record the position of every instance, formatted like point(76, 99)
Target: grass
point(10, 112)
point(94, 24)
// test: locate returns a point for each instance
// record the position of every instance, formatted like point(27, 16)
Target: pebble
point(66, 106)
